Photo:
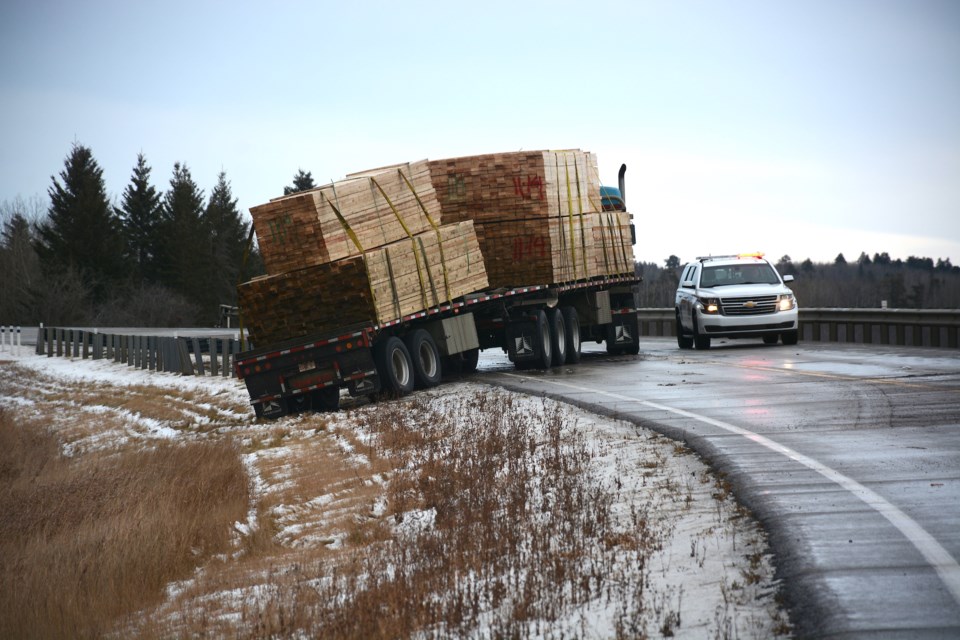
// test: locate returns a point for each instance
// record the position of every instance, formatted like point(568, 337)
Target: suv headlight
point(786, 302)
point(710, 305)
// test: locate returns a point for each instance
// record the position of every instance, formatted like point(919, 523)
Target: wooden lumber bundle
point(536, 251)
point(304, 301)
point(346, 218)
point(538, 215)
point(428, 270)
point(518, 185)
point(379, 286)
point(556, 250)
point(612, 245)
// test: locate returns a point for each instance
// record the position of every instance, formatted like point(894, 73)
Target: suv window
point(738, 274)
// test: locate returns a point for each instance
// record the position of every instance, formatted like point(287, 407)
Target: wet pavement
point(849, 455)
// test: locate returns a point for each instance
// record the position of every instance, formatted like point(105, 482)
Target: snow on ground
point(711, 577)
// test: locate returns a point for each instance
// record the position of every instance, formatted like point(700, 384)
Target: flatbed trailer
point(538, 326)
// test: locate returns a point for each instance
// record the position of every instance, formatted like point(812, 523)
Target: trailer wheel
point(542, 337)
point(558, 337)
point(571, 322)
point(460, 363)
point(623, 337)
point(470, 359)
point(394, 366)
point(427, 369)
point(326, 399)
point(632, 324)
point(528, 342)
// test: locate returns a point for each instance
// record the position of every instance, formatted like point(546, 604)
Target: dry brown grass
point(390, 521)
point(498, 525)
point(84, 541)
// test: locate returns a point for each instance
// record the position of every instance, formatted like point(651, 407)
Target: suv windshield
point(721, 276)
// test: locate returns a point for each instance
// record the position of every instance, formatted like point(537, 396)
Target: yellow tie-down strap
point(413, 242)
point(353, 237)
point(436, 229)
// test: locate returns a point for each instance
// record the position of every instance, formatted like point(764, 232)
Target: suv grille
point(756, 306)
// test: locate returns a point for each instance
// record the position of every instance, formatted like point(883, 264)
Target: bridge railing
point(908, 327)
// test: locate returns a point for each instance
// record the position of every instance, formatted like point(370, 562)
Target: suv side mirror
point(687, 284)
point(788, 278)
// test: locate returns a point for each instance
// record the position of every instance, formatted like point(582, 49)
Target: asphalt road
point(849, 455)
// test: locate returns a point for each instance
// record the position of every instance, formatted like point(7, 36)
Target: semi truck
point(537, 326)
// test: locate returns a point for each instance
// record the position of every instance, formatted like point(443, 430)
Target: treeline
point(869, 282)
point(153, 259)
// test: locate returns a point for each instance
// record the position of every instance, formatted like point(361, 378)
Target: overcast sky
point(805, 127)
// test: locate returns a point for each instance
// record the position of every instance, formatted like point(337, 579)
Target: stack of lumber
point(304, 301)
point(538, 215)
point(378, 286)
point(386, 243)
point(519, 185)
point(345, 218)
point(613, 246)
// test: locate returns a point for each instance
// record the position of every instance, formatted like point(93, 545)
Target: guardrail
point(907, 327)
point(187, 355)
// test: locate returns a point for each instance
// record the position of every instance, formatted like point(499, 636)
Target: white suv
point(739, 296)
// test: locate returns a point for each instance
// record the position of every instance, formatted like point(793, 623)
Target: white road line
point(934, 553)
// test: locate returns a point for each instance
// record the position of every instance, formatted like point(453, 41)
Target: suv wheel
point(683, 341)
point(789, 337)
point(700, 341)
point(771, 339)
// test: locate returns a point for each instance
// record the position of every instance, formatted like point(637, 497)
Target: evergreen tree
point(183, 259)
point(82, 230)
point(303, 181)
point(20, 267)
point(227, 233)
point(141, 214)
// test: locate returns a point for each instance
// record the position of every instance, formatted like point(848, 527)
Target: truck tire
point(632, 324)
point(427, 370)
point(571, 322)
point(528, 343)
point(326, 399)
point(558, 337)
point(470, 359)
point(790, 337)
point(545, 345)
point(463, 362)
point(623, 336)
point(394, 366)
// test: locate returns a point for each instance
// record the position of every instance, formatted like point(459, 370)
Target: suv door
point(686, 296)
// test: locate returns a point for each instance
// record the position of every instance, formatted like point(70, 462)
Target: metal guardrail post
point(197, 355)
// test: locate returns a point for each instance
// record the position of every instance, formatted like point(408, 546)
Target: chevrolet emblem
point(749, 304)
